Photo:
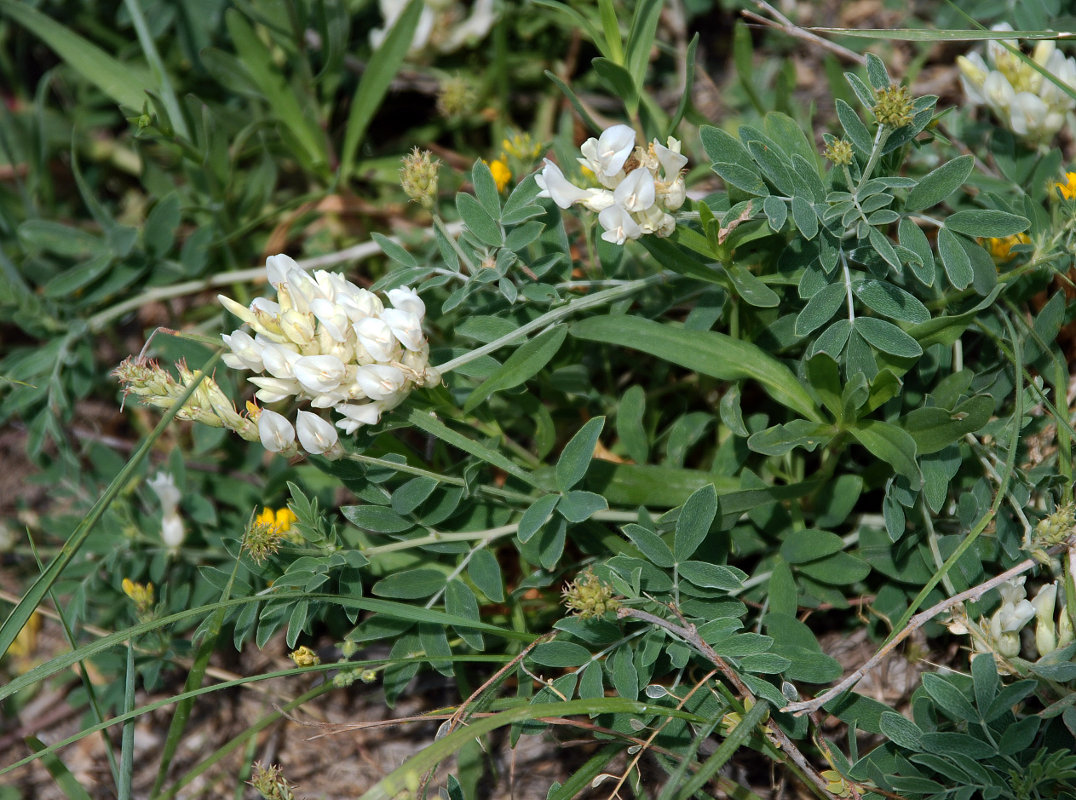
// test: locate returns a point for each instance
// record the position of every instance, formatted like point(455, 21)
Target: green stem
point(552, 317)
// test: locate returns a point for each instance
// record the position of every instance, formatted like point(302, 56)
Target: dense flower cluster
point(1017, 93)
point(1002, 630)
point(331, 344)
point(638, 187)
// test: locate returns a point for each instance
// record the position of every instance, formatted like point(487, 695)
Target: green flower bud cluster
point(587, 596)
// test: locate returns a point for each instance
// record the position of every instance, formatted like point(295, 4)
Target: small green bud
point(1056, 527)
point(455, 97)
point(587, 596)
point(419, 177)
point(894, 107)
point(270, 783)
point(839, 152)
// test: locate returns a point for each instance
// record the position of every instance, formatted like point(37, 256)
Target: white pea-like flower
point(276, 433)
point(246, 353)
point(320, 374)
point(316, 435)
point(273, 390)
point(356, 415)
point(406, 299)
point(606, 155)
point(405, 326)
point(277, 268)
point(380, 381)
point(558, 188)
point(377, 339)
point(638, 186)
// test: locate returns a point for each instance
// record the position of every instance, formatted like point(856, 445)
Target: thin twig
point(915, 623)
point(784, 24)
point(773, 733)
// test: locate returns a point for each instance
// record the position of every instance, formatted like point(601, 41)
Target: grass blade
point(127, 84)
point(375, 81)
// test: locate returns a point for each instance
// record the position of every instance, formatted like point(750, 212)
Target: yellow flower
point(1068, 188)
point(522, 146)
point(279, 521)
point(1001, 249)
point(501, 174)
point(140, 594)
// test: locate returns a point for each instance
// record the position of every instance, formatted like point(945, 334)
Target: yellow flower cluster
point(141, 595)
point(267, 531)
point(518, 150)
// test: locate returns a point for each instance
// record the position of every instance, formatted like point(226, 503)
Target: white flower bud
point(316, 435)
point(275, 432)
point(298, 327)
point(1045, 633)
point(320, 374)
point(359, 303)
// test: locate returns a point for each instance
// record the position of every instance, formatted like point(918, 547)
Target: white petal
point(279, 359)
point(246, 354)
point(356, 416)
point(618, 225)
point(613, 148)
point(558, 188)
point(636, 192)
point(406, 299)
point(405, 326)
point(332, 316)
point(379, 381)
point(376, 338)
point(319, 374)
point(273, 390)
point(164, 484)
point(278, 267)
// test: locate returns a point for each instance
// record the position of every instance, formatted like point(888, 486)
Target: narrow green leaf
point(521, 366)
point(725, 751)
point(614, 43)
point(66, 782)
point(629, 424)
point(712, 576)
point(900, 730)
point(935, 428)
point(805, 218)
point(650, 545)
point(278, 93)
point(127, 84)
point(939, 183)
point(776, 211)
point(410, 584)
point(741, 177)
point(722, 147)
point(375, 81)
point(644, 26)
point(577, 454)
point(752, 290)
point(854, 128)
point(617, 79)
point(484, 570)
point(708, 352)
point(876, 72)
